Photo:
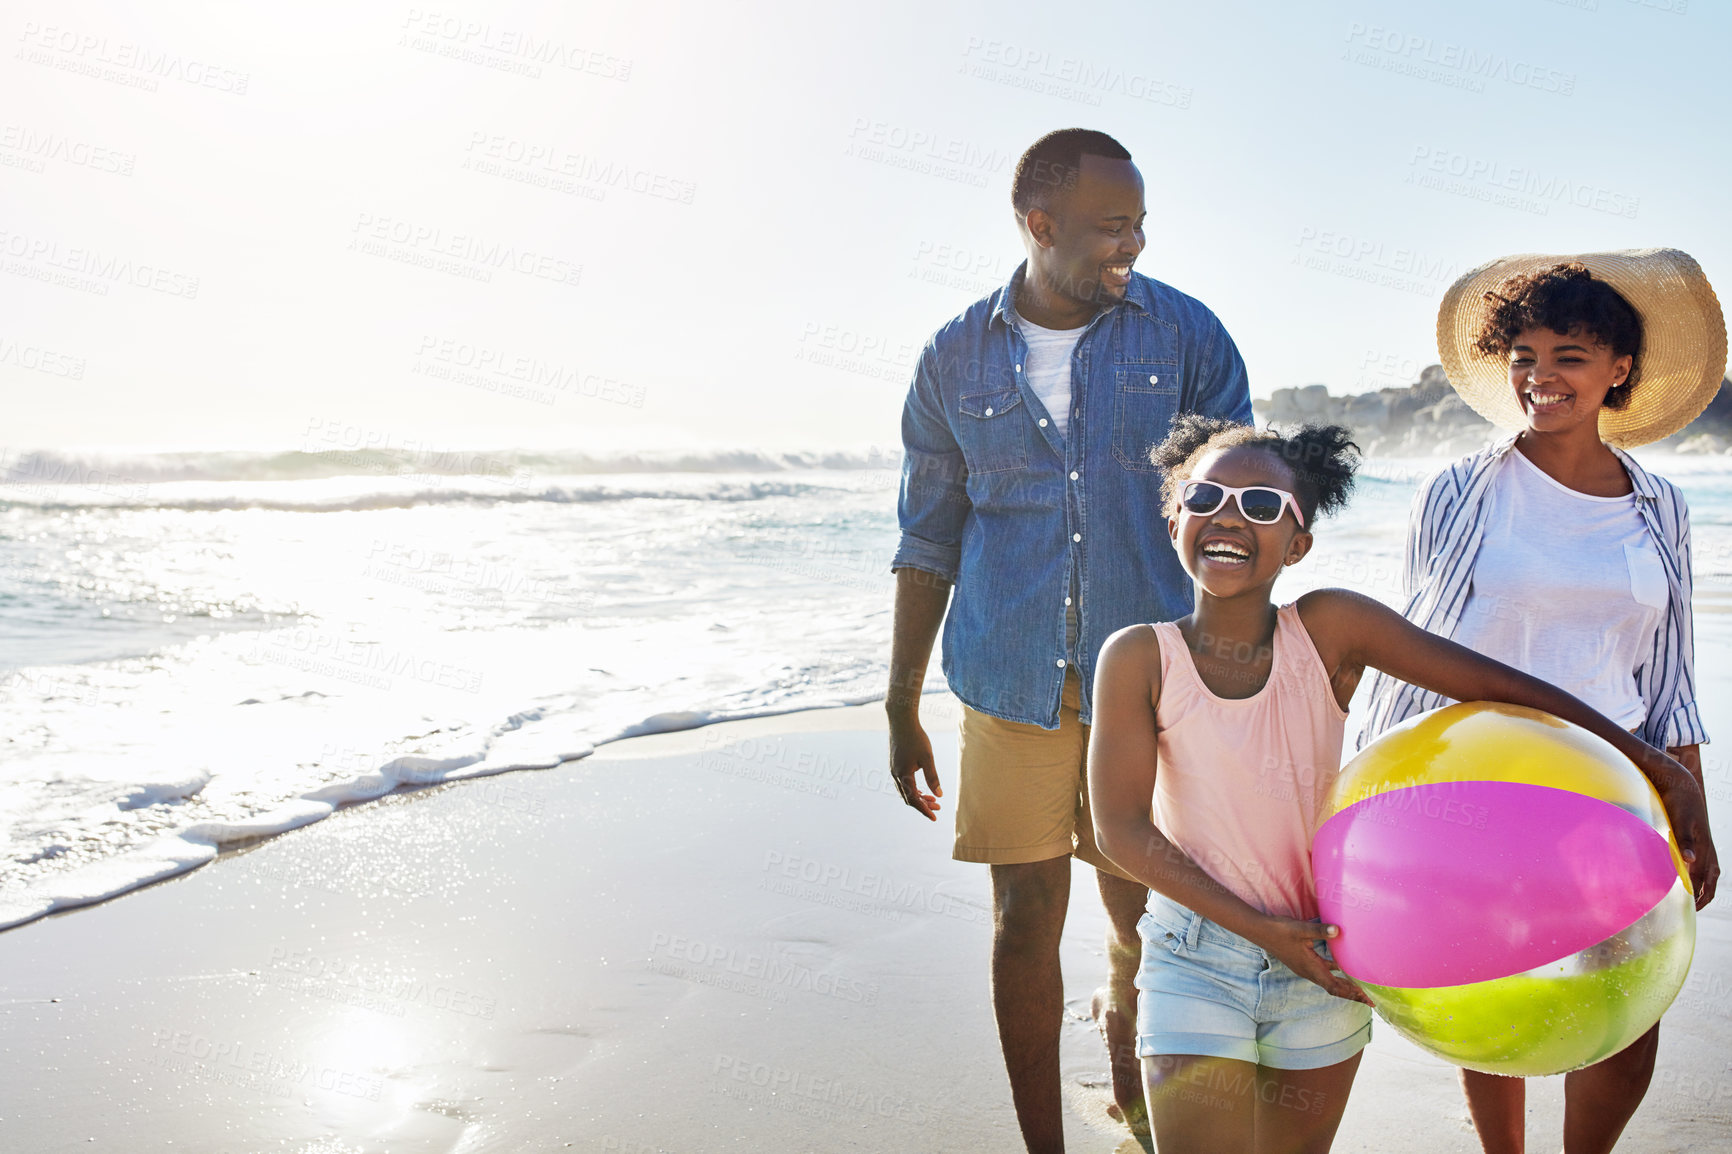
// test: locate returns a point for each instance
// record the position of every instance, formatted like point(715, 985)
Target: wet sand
point(733, 938)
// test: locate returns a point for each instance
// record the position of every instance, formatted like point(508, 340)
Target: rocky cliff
point(1427, 419)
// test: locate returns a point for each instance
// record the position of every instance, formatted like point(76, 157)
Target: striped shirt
point(1444, 534)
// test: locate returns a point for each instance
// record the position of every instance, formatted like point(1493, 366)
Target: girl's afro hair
point(1322, 458)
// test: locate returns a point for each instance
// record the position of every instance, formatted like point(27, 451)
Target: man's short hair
point(1052, 163)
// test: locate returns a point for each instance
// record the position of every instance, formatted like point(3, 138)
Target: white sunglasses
point(1260, 503)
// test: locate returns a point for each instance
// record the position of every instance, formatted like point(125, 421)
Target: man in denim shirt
point(1026, 486)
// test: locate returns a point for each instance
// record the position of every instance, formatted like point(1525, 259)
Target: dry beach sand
point(733, 938)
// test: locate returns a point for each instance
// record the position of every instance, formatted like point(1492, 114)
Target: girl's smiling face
point(1226, 553)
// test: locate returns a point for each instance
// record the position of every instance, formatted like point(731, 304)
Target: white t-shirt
point(1567, 587)
point(1048, 368)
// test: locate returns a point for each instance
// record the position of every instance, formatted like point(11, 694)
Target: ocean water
point(199, 650)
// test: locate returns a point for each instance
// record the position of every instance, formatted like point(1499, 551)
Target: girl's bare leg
point(1201, 1105)
point(1298, 1111)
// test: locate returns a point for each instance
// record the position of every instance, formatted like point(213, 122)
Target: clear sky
point(647, 224)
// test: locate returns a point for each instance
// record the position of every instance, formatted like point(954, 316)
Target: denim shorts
point(1207, 991)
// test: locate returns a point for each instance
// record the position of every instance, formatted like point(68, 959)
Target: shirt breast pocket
point(1648, 583)
point(1145, 397)
point(992, 429)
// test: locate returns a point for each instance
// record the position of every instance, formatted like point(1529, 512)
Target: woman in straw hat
point(1557, 553)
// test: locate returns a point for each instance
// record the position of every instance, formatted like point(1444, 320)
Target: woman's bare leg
point(1600, 1099)
point(1499, 1107)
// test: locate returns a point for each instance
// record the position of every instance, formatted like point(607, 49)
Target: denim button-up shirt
point(994, 500)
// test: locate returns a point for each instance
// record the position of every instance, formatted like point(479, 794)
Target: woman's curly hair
point(1322, 458)
point(1565, 298)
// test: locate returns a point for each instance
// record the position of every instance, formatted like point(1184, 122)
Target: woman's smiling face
point(1225, 552)
point(1560, 380)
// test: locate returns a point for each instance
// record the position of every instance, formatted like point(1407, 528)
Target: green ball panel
point(1533, 1024)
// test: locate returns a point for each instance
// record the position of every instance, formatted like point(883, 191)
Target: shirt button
point(1153, 379)
point(1061, 663)
point(989, 410)
point(1076, 536)
point(1073, 476)
point(1043, 422)
point(1019, 368)
point(1067, 600)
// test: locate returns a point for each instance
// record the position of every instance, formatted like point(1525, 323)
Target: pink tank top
point(1238, 784)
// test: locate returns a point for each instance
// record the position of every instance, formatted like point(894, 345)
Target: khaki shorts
point(1022, 791)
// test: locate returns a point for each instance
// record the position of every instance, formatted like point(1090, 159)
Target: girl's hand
point(1290, 940)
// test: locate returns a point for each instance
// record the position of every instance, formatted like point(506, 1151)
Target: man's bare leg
point(1029, 903)
point(1115, 1004)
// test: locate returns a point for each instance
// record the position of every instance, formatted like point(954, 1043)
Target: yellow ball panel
point(1490, 741)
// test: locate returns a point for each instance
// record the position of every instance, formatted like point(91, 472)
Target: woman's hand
point(1687, 810)
point(1290, 940)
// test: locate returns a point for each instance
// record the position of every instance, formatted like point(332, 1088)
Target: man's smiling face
point(1091, 234)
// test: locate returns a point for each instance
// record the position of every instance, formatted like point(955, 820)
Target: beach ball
point(1507, 887)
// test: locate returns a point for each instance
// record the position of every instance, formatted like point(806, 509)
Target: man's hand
point(921, 600)
point(910, 753)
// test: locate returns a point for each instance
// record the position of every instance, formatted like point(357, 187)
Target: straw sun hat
point(1683, 354)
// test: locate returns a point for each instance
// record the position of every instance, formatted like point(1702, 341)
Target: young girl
point(1216, 739)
